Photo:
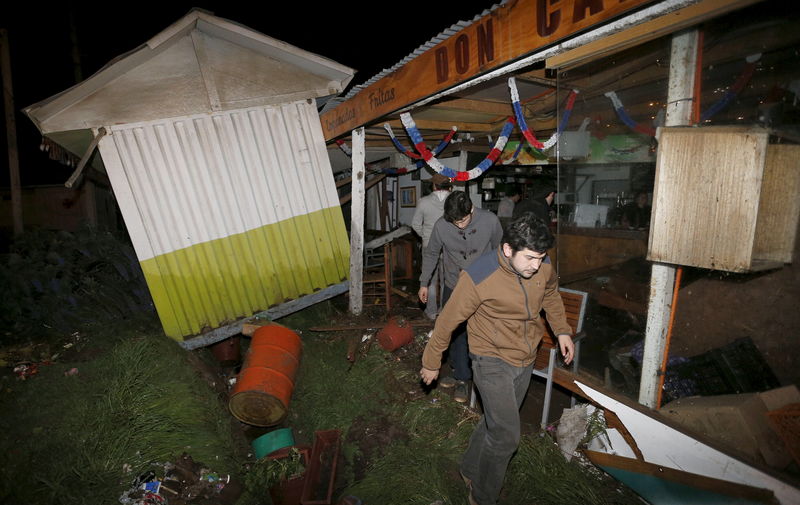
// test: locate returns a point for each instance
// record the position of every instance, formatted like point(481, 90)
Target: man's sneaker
point(447, 382)
point(461, 394)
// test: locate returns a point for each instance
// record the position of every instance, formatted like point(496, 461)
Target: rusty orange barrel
point(264, 387)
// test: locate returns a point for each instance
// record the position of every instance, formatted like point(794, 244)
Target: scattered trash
point(71, 371)
point(183, 481)
point(578, 425)
point(25, 371)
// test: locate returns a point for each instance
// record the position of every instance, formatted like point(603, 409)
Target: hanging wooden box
point(724, 199)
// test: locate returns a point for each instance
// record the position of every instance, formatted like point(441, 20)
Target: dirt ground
point(715, 309)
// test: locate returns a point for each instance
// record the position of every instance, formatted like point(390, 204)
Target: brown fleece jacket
point(502, 310)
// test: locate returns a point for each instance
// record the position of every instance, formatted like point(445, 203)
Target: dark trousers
point(458, 351)
point(496, 437)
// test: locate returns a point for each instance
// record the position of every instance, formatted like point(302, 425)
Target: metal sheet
point(229, 213)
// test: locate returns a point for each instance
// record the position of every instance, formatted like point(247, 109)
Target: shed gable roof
point(199, 64)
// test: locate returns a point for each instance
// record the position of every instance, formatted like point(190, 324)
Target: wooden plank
point(508, 33)
point(87, 155)
point(482, 106)
point(389, 237)
point(694, 480)
point(650, 30)
point(706, 197)
point(357, 222)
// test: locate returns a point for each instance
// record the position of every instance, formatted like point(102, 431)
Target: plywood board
point(706, 198)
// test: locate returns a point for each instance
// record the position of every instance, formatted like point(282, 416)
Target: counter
point(581, 252)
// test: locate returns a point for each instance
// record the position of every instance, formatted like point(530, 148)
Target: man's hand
point(428, 376)
point(567, 348)
point(423, 294)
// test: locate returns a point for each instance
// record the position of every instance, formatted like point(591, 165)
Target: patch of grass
point(540, 474)
point(330, 393)
point(67, 438)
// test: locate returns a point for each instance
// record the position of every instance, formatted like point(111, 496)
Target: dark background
point(367, 36)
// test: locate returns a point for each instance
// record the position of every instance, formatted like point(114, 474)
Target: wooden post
point(662, 278)
point(357, 222)
point(11, 133)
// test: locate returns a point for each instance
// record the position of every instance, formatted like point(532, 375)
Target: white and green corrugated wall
point(230, 213)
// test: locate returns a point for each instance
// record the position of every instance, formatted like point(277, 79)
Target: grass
point(403, 445)
point(72, 438)
point(138, 400)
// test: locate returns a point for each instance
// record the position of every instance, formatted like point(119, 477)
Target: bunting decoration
point(523, 126)
point(345, 148)
point(633, 125)
point(436, 165)
point(414, 156)
point(514, 156)
point(744, 78)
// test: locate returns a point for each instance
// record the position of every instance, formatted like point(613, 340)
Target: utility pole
point(11, 133)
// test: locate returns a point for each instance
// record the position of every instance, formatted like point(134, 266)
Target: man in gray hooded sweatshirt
point(462, 234)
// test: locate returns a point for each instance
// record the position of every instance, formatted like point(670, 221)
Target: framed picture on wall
point(408, 196)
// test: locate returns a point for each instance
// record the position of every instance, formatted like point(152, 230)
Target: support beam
point(357, 222)
point(478, 106)
point(87, 155)
point(680, 95)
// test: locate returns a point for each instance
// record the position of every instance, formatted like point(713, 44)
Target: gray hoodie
point(459, 247)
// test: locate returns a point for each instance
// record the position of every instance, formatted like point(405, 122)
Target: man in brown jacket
point(501, 295)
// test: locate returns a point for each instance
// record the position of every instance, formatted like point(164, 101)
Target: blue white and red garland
point(438, 167)
point(414, 156)
point(633, 125)
point(523, 126)
point(403, 170)
point(729, 95)
point(738, 85)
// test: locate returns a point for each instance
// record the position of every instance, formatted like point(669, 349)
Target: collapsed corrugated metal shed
point(216, 156)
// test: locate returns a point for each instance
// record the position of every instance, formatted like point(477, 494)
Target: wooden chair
point(377, 281)
point(575, 309)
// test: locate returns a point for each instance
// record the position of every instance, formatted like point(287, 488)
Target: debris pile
point(183, 482)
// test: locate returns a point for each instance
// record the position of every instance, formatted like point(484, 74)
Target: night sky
point(41, 47)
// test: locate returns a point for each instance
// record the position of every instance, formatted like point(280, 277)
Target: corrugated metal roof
point(229, 213)
point(441, 37)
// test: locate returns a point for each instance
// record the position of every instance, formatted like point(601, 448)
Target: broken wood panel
point(692, 480)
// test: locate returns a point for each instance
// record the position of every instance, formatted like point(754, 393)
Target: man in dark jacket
point(500, 295)
point(539, 203)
